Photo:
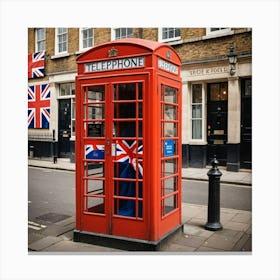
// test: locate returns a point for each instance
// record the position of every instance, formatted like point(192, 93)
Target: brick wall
point(215, 47)
point(195, 47)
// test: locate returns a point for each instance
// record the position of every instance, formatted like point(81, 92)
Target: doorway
point(217, 121)
point(246, 124)
point(64, 127)
point(113, 161)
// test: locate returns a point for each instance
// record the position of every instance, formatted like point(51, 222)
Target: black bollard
point(54, 152)
point(214, 174)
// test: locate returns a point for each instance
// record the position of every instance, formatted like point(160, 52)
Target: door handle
point(108, 142)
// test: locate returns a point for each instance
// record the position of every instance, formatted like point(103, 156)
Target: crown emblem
point(112, 52)
point(168, 54)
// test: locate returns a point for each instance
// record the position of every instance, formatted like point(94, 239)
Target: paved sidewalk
point(236, 235)
point(240, 178)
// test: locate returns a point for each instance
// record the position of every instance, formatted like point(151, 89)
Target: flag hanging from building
point(39, 106)
point(36, 65)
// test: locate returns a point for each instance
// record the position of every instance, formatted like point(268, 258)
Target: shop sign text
point(208, 71)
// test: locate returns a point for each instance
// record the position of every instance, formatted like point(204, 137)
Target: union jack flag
point(128, 153)
point(36, 65)
point(94, 151)
point(39, 106)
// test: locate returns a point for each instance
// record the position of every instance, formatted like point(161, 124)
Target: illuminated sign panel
point(115, 64)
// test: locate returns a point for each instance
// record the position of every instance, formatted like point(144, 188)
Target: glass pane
point(73, 128)
point(197, 93)
point(117, 30)
point(94, 169)
point(73, 110)
point(126, 129)
point(196, 129)
point(169, 167)
point(96, 93)
point(127, 207)
point(94, 111)
point(95, 129)
point(169, 185)
point(170, 112)
point(223, 91)
point(219, 92)
point(169, 129)
point(125, 110)
point(65, 89)
point(214, 92)
point(248, 88)
point(196, 111)
point(95, 187)
point(169, 204)
point(125, 92)
point(95, 204)
point(169, 94)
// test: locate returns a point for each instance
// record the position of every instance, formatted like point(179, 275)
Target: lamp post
point(232, 58)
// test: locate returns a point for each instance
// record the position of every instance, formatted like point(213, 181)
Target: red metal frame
point(158, 68)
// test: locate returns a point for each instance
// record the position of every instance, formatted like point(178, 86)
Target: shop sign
point(208, 71)
point(115, 64)
point(167, 66)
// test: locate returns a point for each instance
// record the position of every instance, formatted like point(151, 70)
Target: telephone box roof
point(151, 46)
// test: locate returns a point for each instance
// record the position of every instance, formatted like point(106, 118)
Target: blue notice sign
point(169, 148)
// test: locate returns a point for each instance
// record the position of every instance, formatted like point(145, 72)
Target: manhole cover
point(52, 217)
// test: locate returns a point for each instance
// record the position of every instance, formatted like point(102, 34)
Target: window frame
point(57, 42)
point(113, 33)
point(223, 31)
point(203, 114)
point(81, 38)
point(175, 38)
point(37, 40)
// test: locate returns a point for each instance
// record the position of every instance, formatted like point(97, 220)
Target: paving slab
point(179, 248)
point(43, 243)
point(244, 240)
point(236, 226)
point(242, 217)
point(197, 231)
point(69, 246)
point(208, 249)
point(219, 243)
point(190, 240)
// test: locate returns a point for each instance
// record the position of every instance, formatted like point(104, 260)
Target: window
point(67, 90)
point(40, 39)
point(169, 149)
point(218, 31)
point(196, 117)
point(86, 38)
point(169, 34)
point(61, 40)
point(118, 33)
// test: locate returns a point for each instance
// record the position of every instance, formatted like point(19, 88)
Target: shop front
point(219, 115)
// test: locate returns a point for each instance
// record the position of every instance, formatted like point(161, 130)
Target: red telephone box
point(128, 144)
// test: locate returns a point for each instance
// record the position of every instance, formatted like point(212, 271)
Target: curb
point(222, 181)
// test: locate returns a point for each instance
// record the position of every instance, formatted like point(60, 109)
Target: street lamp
point(232, 58)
